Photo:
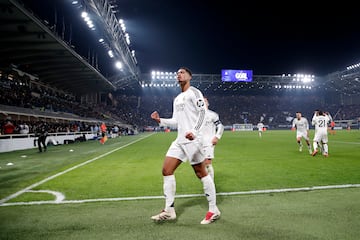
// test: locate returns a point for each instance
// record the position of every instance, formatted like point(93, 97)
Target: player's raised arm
point(155, 115)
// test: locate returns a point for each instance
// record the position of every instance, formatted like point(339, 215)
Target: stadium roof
point(29, 44)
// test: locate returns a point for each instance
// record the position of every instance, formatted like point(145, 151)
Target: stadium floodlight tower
point(169, 79)
point(117, 39)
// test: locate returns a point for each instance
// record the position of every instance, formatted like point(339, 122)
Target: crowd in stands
point(26, 94)
point(273, 110)
point(9, 126)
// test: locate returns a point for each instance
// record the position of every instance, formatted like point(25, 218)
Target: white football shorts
point(192, 152)
point(302, 134)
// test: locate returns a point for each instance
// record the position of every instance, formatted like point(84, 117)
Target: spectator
point(24, 128)
point(9, 127)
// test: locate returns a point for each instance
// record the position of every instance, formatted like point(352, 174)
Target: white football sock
point(210, 192)
point(169, 187)
point(315, 145)
point(326, 148)
point(210, 170)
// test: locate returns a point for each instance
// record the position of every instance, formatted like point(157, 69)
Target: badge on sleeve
point(200, 103)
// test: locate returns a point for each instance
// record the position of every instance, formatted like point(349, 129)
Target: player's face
point(183, 75)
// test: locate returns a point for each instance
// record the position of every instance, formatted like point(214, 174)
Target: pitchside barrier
point(12, 142)
point(242, 127)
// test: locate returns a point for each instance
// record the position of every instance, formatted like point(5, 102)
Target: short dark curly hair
point(187, 69)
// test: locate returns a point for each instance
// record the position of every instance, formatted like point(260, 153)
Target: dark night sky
point(269, 38)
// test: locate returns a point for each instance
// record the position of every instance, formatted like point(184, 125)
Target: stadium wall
point(14, 142)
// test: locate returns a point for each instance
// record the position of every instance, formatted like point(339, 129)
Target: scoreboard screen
point(230, 75)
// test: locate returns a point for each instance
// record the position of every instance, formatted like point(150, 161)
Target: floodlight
point(118, 65)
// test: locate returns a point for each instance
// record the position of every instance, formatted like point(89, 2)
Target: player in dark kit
point(42, 133)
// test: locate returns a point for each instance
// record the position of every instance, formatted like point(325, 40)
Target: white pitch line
point(59, 197)
point(2, 201)
point(185, 195)
point(356, 143)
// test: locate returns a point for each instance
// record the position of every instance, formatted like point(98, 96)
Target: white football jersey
point(212, 128)
point(260, 126)
point(321, 123)
point(188, 114)
point(302, 124)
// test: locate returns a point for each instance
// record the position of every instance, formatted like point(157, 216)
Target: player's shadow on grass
point(201, 201)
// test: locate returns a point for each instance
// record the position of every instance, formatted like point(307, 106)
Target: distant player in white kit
point(301, 124)
point(321, 122)
point(212, 132)
point(260, 127)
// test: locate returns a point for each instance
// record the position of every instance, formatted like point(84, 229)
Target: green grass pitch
point(266, 188)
